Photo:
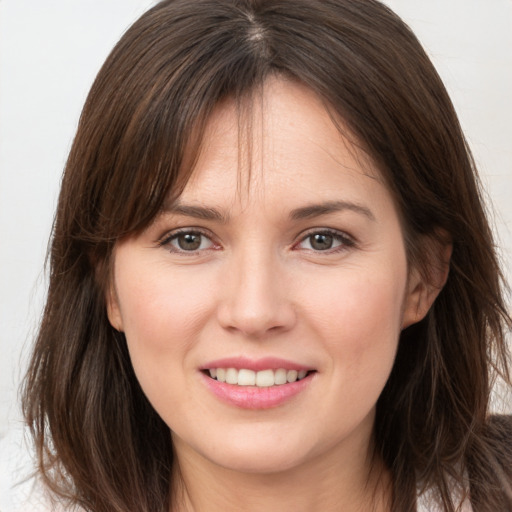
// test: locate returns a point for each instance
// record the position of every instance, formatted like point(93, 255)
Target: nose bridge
point(254, 299)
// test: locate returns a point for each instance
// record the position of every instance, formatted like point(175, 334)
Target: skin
point(257, 287)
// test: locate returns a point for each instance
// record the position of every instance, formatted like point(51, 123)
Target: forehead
point(282, 136)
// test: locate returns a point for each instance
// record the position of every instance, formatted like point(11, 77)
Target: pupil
point(321, 242)
point(189, 242)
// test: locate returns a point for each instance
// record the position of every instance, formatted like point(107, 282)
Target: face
point(262, 310)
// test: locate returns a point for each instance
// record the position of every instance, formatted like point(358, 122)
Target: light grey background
point(50, 51)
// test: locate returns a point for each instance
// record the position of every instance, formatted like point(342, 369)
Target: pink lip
point(256, 365)
point(253, 397)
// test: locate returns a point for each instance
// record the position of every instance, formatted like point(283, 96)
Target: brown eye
point(321, 241)
point(189, 241)
point(332, 241)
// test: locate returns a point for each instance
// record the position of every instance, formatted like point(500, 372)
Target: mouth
point(261, 379)
point(265, 383)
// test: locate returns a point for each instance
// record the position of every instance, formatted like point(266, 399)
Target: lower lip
point(252, 397)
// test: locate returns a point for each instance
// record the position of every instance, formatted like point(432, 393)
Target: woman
point(272, 279)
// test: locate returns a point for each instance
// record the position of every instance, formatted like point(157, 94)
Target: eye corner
point(325, 241)
point(188, 241)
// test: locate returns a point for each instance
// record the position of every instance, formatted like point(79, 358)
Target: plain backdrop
point(50, 51)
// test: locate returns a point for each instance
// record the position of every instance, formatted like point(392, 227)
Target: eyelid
point(347, 241)
point(166, 239)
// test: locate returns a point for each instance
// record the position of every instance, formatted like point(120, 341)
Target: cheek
point(160, 316)
point(360, 319)
point(160, 307)
point(163, 313)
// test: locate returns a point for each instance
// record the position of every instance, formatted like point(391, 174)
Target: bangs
point(143, 122)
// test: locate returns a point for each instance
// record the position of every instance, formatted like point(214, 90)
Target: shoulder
point(489, 468)
point(502, 423)
point(490, 465)
point(500, 438)
point(499, 435)
point(20, 489)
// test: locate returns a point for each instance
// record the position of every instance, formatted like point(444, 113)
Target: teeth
point(246, 378)
point(262, 379)
point(280, 377)
point(265, 378)
point(291, 375)
point(231, 376)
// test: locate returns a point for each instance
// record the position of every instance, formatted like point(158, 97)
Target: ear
point(425, 283)
point(113, 311)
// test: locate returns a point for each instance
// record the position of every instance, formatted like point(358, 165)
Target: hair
point(99, 442)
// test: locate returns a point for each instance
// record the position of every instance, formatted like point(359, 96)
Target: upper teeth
point(263, 378)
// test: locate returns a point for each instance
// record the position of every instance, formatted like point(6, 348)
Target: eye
point(325, 240)
point(187, 241)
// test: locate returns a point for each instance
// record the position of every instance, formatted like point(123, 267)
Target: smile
point(260, 379)
point(256, 384)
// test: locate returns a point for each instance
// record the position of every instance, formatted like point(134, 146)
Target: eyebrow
point(198, 212)
point(316, 210)
point(304, 212)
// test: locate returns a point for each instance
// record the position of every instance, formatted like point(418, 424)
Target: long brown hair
point(99, 442)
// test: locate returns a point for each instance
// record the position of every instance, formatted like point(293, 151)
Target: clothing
point(20, 493)
point(426, 503)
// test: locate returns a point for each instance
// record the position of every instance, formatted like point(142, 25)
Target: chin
point(255, 451)
point(259, 461)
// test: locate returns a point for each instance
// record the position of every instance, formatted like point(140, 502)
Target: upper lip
point(256, 365)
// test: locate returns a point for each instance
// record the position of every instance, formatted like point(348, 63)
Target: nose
point(256, 299)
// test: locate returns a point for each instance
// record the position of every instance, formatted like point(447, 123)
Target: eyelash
point(346, 242)
point(169, 238)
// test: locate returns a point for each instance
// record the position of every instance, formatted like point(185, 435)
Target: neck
point(355, 483)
